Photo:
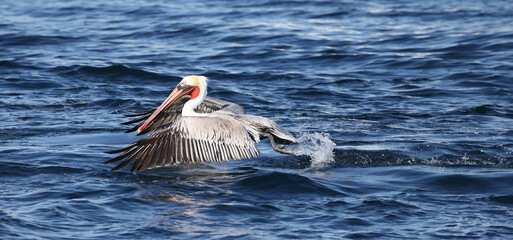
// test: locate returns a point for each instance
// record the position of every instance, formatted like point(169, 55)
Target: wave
point(114, 73)
point(380, 158)
point(278, 184)
point(9, 40)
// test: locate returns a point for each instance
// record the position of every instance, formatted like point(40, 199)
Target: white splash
point(318, 146)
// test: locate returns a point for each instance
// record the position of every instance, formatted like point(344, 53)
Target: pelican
point(189, 127)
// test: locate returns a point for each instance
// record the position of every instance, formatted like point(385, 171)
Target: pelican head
point(194, 86)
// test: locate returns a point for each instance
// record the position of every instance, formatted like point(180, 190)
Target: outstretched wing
point(209, 105)
point(189, 140)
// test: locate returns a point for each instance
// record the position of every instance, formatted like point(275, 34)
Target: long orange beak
point(176, 94)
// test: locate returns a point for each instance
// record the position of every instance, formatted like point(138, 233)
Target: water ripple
point(416, 97)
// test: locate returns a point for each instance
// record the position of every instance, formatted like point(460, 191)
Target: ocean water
point(404, 109)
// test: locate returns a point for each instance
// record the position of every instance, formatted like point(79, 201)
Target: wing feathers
point(189, 140)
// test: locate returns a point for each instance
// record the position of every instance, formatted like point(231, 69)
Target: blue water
point(416, 95)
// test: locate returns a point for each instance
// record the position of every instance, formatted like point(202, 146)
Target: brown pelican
point(189, 127)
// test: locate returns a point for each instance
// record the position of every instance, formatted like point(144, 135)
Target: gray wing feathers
point(265, 125)
point(225, 105)
point(189, 140)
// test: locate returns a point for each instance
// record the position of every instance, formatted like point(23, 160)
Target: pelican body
point(189, 127)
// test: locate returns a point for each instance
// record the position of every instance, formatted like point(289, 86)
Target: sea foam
point(318, 146)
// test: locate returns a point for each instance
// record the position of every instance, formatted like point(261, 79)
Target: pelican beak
point(180, 91)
